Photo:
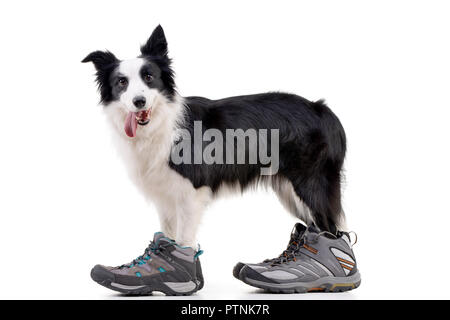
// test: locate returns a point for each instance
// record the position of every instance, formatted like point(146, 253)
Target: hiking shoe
point(321, 262)
point(164, 267)
point(296, 236)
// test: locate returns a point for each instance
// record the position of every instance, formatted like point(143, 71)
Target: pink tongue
point(131, 125)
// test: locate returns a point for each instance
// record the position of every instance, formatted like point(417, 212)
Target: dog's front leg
point(189, 214)
point(188, 220)
point(168, 219)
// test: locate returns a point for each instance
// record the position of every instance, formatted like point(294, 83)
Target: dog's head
point(137, 85)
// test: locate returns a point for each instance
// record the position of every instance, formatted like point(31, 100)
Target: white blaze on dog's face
point(132, 84)
point(136, 85)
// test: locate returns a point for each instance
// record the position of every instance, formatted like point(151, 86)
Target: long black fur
point(312, 147)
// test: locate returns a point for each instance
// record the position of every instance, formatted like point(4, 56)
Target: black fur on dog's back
point(312, 147)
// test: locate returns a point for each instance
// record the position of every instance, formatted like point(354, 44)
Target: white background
point(67, 203)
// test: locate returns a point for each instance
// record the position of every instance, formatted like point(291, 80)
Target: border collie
point(150, 119)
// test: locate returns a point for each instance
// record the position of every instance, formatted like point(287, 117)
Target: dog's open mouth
point(143, 117)
point(133, 119)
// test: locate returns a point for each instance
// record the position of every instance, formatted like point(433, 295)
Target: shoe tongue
point(313, 229)
point(299, 229)
point(158, 236)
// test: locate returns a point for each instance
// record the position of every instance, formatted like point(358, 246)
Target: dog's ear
point(105, 63)
point(101, 59)
point(156, 45)
point(156, 49)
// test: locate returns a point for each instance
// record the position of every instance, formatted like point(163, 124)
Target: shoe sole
point(325, 284)
point(106, 279)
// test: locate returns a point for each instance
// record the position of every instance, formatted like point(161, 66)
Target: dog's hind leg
point(315, 173)
point(322, 195)
point(291, 201)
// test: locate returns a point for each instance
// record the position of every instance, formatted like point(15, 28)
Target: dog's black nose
point(139, 102)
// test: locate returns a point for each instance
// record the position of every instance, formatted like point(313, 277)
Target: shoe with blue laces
point(165, 266)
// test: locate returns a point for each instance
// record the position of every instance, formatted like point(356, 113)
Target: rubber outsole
point(106, 278)
point(329, 284)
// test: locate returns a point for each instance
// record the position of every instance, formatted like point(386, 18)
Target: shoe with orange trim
point(316, 261)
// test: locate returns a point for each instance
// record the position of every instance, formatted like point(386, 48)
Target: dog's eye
point(148, 77)
point(122, 81)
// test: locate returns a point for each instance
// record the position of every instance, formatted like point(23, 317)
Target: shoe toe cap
point(247, 272)
point(237, 268)
point(101, 274)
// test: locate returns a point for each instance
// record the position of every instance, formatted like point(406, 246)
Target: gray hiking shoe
point(318, 262)
point(164, 267)
point(296, 236)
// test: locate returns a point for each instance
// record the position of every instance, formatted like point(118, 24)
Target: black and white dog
point(150, 119)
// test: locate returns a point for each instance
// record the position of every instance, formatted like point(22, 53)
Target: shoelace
point(153, 247)
point(289, 253)
point(294, 247)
